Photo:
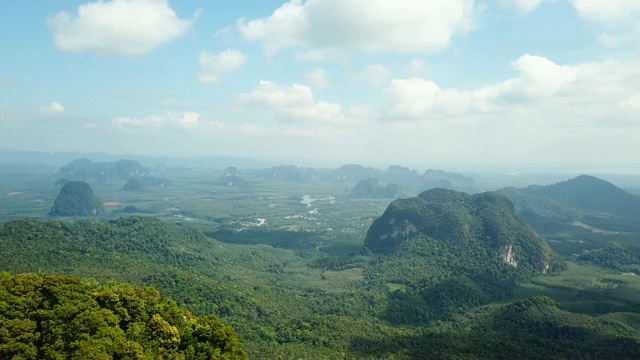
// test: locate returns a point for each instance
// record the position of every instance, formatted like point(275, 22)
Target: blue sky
point(447, 83)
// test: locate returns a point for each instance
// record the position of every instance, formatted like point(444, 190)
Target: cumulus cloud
point(406, 26)
point(602, 93)
point(522, 6)
point(293, 103)
point(318, 79)
point(606, 12)
point(619, 20)
point(53, 108)
point(375, 75)
point(118, 27)
point(212, 65)
point(411, 97)
point(632, 101)
point(539, 76)
point(185, 120)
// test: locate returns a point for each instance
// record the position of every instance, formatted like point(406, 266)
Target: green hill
point(533, 328)
point(588, 192)
point(586, 201)
point(62, 317)
point(456, 218)
point(76, 198)
point(134, 184)
point(446, 249)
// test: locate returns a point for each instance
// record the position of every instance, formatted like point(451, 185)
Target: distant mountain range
point(371, 189)
point(585, 198)
point(408, 180)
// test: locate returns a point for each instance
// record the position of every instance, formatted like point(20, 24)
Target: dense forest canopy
point(62, 317)
point(455, 218)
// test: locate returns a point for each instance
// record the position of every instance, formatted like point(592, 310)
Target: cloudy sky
point(411, 82)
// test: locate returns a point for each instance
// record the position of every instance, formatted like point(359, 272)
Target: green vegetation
point(533, 328)
point(61, 317)
point(283, 263)
point(477, 224)
point(615, 256)
point(580, 214)
point(76, 198)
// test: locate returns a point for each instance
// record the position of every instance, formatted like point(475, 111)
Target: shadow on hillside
point(440, 343)
point(284, 239)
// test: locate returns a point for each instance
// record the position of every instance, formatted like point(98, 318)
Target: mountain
point(592, 201)
point(444, 250)
point(76, 198)
point(589, 192)
point(85, 169)
point(432, 179)
point(134, 184)
point(455, 218)
point(371, 189)
point(230, 178)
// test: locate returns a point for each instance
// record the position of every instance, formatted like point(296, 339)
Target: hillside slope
point(585, 201)
point(456, 218)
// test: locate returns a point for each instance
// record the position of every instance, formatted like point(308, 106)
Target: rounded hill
point(453, 218)
point(76, 198)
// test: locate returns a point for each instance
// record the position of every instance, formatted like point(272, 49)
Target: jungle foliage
point(62, 317)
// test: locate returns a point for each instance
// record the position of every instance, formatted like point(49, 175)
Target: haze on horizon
point(326, 81)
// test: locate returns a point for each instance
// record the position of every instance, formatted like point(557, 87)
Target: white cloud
point(53, 108)
point(607, 12)
point(411, 97)
point(618, 21)
point(598, 94)
point(375, 75)
point(632, 102)
point(318, 79)
point(522, 6)
point(407, 26)
point(417, 67)
point(299, 132)
point(118, 27)
point(318, 55)
point(211, 66)
point(186, 120)
point(539, 76)
point(168, 101)
point(293, 103)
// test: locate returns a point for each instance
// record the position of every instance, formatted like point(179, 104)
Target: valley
point(285, 264)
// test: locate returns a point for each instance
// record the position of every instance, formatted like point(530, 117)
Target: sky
point(447, 83)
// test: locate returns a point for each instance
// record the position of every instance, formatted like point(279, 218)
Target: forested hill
point(454, 218)
point(62, 317)
point(587, 193)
